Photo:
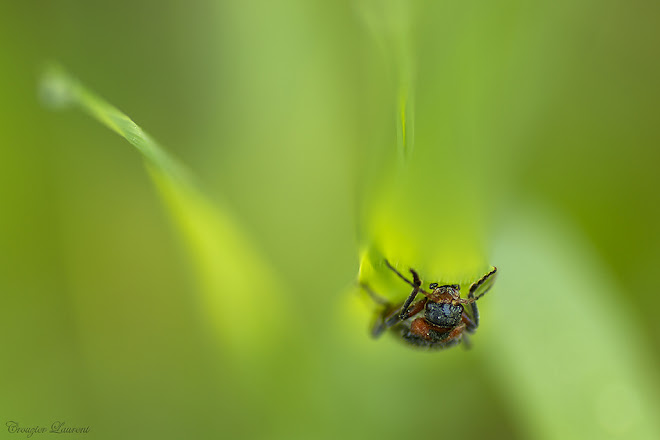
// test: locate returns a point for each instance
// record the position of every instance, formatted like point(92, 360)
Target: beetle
point(437, 321)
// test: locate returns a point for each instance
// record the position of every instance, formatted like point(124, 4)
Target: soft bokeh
point(546, 111)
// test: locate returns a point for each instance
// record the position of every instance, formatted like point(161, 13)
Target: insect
point(439, 320)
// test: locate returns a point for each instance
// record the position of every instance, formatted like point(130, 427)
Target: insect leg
point(406, 305)
point(378, 299)
point(471, 324)
point(475, 313)
point(390, 317)
point(384, 320)
point(417, 288)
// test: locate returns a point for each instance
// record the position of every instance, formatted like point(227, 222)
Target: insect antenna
point(416, 284)
point(479, 283)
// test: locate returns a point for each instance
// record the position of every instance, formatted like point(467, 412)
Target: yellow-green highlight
point(224, 259)
point(425, 206)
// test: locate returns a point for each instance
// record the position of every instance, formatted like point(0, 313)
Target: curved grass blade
point(424, 205)
point(224, 258)
point(561, 339)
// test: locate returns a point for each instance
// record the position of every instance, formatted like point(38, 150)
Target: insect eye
point(433, 286)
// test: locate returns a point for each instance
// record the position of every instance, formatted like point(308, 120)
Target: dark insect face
point(443, 315)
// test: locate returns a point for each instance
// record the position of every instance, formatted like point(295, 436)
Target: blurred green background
point(542, 118)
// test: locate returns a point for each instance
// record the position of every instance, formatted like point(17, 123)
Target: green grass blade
point(562, 339)
point(224, 258)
